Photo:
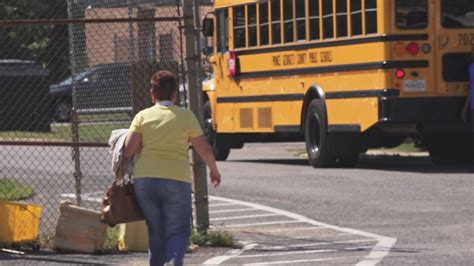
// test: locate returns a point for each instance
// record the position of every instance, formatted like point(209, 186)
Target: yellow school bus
point(342, 75)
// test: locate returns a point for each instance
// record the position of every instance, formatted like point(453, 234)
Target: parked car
point(23, 96)
point(103, 87)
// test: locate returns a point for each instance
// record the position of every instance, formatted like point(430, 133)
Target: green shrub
point(211, 239)
point(14, 190)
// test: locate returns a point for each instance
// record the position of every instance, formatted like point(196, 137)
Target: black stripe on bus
point(336, 68)
point(300, 97)
point(374, 39)
point(344, 128)
point(287, 129)
point(362, 94)
point(262, 98)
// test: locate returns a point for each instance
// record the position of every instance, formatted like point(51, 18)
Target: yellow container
point(133, 237)
point(19, 222)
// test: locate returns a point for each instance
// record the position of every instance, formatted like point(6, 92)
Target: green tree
point(45, 44)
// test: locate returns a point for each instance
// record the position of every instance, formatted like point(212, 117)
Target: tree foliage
point(45, 44)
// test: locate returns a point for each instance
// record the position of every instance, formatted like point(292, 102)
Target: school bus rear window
point(411, 14)
point(458, 13)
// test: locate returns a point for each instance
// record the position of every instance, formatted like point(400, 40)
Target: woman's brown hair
point(163, 84)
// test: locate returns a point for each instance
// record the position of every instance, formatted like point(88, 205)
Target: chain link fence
point(70, 73)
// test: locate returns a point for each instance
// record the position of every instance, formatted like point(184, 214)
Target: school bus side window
point(222, 30)
point(239, 26)
point(328, 20)
point(341, 15)
point(356, 17)
point(370, 16)
point(276, 22)
point(300, 8)
point(288, 20)
point(252, 24)
point(314, 20)
point(263, 13)
point(411, 14)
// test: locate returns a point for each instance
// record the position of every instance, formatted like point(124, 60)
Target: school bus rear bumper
point(426, 113)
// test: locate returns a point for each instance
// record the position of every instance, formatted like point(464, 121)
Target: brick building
point(148, 41)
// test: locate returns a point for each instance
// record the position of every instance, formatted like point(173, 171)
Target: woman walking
point(160, 136)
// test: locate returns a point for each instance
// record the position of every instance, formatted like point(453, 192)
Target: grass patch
point(47, 240)
point(105, 117)
point(111, 241)
point(14, 190)
point(405, 147)
point(96, 133)
point(211, 239)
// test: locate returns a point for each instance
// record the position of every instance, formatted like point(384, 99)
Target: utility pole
point(193, 59)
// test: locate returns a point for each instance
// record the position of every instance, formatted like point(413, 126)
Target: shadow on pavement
point(419, 164)
point(23, 259)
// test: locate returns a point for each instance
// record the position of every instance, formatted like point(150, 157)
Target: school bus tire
point(448, 150)
point(316, 136)
point(347, 160)
point(220, 150)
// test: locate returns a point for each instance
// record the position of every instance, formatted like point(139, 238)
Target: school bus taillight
point(400, 74)
point(413, 48)
point(232, 64)
point(399, 48)
point(426, 48)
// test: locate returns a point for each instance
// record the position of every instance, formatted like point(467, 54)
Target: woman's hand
point(202, 147)
point(215, 178)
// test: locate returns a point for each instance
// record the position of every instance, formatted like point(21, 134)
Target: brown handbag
point(120, 205)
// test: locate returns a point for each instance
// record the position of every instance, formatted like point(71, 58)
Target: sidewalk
point(263, 235)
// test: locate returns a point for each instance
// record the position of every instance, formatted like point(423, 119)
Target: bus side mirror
point(208, 27)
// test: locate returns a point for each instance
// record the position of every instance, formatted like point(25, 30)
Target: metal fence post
point(201, 204)
point(76, 154)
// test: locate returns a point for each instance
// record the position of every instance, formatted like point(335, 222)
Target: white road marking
point(344, 234)
point(298, 261)
point(288, 253)
point(221, 204)
point(234, 210)
point(235, 253)
point(322, 244)
point(244, 217)
point(296, 229)
point(379, 251)
point(264, 223)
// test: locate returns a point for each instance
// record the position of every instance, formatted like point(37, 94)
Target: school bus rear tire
point(316, 136)
point(221, 151)
point(446, 150)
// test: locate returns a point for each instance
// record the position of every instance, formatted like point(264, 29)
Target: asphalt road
point(429, 210)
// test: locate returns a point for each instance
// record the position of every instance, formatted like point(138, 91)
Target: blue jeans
point(166, 205)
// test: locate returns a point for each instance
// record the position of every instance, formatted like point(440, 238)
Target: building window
point(356, 17)
point(300, 8)
point(341, 15)
point(328, 19)
point(276, 22)
point(263, 13)
point(370, 16)
point(239, 26)
point(314, 20)
point(166, 48)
